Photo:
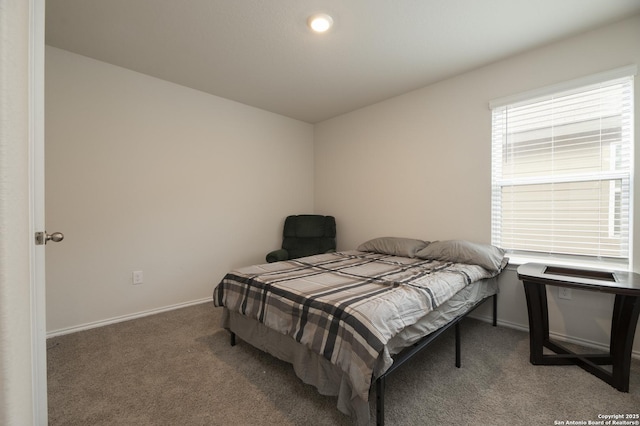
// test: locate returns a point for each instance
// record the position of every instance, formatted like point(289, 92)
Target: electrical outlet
point(564, 293)
point(137, 277)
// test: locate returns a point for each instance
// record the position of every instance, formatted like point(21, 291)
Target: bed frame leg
point(458, 344)
point(380, 384)
point(495, 309)
point(233, 338)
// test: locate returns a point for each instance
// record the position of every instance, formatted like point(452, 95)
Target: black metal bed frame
point(409, 352)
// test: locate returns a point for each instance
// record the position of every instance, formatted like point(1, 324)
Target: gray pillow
point(395, 246)
point(461, 251)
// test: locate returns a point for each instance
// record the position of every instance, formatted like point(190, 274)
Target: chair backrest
point(308, 234)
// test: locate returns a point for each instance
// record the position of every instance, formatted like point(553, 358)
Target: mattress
point(330, 380)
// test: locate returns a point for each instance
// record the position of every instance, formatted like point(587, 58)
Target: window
point(562, 172)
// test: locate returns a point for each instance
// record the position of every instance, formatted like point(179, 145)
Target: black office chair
point(305, 235)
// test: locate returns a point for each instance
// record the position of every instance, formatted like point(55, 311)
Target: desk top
point(617, 282)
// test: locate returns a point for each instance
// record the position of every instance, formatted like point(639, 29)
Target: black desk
point(626, 287)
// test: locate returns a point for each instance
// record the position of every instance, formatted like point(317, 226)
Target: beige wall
point(142, 174)
point(419, 165)
point(146, 175)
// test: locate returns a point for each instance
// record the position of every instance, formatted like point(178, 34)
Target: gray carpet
point(177, 368)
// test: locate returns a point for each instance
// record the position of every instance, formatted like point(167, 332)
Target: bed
point(346, 320)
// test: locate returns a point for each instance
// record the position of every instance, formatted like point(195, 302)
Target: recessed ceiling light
point(320, 22)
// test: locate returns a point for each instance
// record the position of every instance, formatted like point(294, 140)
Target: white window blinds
point(562, 172)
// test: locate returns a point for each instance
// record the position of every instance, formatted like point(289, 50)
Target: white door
point(36, 152)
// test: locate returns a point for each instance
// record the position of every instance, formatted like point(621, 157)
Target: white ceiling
point(260, 52)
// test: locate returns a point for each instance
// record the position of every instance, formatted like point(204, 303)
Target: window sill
point(518, 259)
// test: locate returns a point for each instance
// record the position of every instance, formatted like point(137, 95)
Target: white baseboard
point(555, 336)
point(122, 318)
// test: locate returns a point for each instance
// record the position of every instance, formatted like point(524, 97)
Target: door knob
point(44, 238)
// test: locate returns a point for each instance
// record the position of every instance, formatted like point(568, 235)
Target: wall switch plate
point(564, 293)
point(137, 277)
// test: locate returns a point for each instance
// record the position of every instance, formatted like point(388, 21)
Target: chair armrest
point(277, 255)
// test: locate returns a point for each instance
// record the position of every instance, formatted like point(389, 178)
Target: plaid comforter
point(344, 306)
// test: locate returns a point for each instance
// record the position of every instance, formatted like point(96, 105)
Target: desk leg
point(623, 327)
point(538, 319)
